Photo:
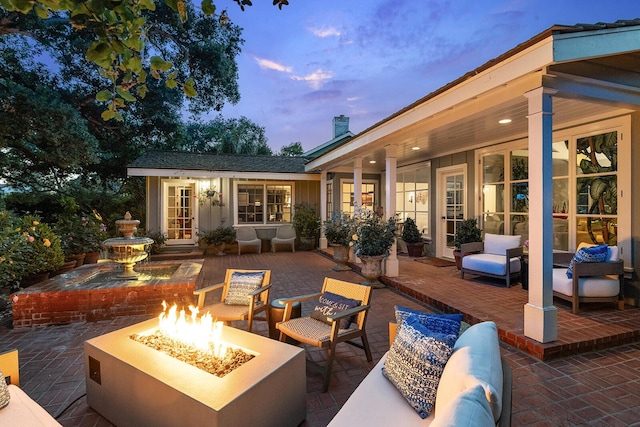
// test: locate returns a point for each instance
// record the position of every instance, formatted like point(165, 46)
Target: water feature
point(128, 249)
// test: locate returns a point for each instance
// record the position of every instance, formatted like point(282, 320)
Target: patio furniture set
point(596, 273)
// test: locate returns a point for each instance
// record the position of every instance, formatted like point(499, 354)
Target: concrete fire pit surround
point(134, 385)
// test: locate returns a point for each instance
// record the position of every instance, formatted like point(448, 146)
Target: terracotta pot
point(415, 249)
point(372, 270)
point(78, 258)
point(458, 256)
point(341, 257)
point(91, 257)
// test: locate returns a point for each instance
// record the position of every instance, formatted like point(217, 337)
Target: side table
point(276, 312)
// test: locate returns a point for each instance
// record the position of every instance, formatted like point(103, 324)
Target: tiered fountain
point(127, 250)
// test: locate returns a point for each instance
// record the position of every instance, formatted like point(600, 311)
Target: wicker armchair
point(258, 300)
point(324, 335)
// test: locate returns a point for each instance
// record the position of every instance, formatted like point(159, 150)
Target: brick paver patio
point(592, 388)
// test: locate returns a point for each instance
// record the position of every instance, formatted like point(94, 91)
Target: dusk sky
point(316, 59)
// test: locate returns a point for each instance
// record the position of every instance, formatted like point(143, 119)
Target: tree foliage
point(292, 150)
point(227, 136)
point(124, 42)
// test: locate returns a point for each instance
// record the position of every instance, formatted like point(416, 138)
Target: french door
point(452, 206)
point(179, 215)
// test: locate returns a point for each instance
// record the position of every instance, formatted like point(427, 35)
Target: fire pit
point(132, 384)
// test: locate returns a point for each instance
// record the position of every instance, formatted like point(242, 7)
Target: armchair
point(285, 235)
point(245, 293)
point(247, 236)
point(498, 256)
point(591, 281)
point(318, 333)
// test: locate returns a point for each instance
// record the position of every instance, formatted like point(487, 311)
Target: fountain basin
point(77, 297)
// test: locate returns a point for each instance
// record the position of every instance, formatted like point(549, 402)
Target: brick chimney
point(340, 125)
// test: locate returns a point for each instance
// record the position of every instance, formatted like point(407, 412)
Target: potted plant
point(412, 237)
point(338, 230)
point(467, 231)
point(371, 242)
point(306, 221)
point(218, 238)
point(159, 238)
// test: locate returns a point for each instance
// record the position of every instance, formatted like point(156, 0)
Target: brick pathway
point(595, 388)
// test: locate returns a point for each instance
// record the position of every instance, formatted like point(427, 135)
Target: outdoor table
point(276, 312)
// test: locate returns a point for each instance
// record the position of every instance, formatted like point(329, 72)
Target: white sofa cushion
point(475, 360)
point(376, 402)
point(498, 244)
point(22, 411)
point(468, 409)
point(598, 286)
point(490, 263)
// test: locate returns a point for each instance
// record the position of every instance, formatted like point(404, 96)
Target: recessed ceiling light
point(372, 161)
point(504, 121)
point(415, 148)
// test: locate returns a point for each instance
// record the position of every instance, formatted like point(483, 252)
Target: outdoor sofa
point(474, 389)
point(21, 411)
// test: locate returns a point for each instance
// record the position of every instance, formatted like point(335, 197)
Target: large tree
point(42, 105)
point(122, 42)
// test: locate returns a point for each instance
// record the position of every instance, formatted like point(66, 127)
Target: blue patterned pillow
point(588, 254)
point(415, 363)
point(241, 285)
point(442, 323)
point(329, 304)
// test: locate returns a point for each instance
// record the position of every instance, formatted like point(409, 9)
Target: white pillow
point(498, 244)
point(475, 360)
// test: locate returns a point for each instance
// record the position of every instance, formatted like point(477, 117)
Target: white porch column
point(392, 268)
point(323, 208)
point(540, 315)
point(357, 192)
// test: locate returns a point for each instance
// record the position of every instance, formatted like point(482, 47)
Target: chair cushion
point(330, 304)
point(490, 263)
point(310, 331)
point(613, 253)
point(498, 244)
point(468, 409)
point(598, 286)
point(442, 323)
point(241, 285)
point(415, 363)
point(588, 254)
point(475, 360)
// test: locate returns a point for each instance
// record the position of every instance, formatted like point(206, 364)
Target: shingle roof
point(218, 162)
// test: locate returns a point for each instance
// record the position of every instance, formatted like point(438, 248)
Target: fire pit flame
point(201, 332)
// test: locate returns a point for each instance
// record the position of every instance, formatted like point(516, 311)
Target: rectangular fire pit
point(131, 384)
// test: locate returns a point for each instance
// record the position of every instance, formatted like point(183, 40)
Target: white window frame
point(264, 184)
point(622, 125)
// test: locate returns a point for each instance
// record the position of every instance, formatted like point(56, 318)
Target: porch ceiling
point(586, 90)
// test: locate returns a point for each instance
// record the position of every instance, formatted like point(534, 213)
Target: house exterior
point(540, 142)
point(190, 192)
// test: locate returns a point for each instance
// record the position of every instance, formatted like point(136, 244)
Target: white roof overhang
point(594, 73)
point(193, 173)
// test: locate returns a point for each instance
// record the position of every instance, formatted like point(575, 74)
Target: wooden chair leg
point(327, 374)
point(365, 345)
